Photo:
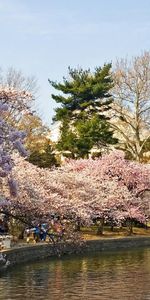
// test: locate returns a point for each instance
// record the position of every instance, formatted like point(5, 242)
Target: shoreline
point(31, 253)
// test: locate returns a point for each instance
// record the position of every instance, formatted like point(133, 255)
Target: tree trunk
point(100, 227)
point(112, 227)
point(130, 226)
point(78, 225)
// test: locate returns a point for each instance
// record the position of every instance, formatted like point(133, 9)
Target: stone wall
point(14, 256)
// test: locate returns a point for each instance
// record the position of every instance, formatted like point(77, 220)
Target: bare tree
point(14, 80)
point(132, 103)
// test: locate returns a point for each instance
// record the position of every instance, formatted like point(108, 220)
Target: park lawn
point(90, 233)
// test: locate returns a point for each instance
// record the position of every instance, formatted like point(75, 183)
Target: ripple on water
point(116, 276)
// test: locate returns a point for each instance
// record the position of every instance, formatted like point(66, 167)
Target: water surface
point(114, 275)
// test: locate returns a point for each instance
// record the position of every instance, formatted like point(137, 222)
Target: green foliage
point(68, 140)
point(96, 130)
point(83, 90)
point(44, 158)
point(86, 135)
point(84, 100)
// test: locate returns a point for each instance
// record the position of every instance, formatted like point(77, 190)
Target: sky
point(44, 37)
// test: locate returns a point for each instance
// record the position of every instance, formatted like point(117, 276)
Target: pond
point(114, 275)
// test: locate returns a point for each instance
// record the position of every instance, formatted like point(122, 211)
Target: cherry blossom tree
point(10, 140)
point(108, 189)
point(119, 185)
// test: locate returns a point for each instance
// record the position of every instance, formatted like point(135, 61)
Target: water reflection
point(121, 275)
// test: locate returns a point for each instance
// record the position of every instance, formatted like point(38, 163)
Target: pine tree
point(43, 159)
point(84, 100)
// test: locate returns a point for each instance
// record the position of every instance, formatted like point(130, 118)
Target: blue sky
point(44, 37)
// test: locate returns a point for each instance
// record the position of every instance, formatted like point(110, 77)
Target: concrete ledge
point(20, 255)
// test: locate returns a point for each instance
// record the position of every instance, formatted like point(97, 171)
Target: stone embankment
point(31, 253)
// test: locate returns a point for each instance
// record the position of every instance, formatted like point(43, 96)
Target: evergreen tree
point(44, 158)
point(84, 100)
point(67, 141)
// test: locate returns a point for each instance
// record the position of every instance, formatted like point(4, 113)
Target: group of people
point(53, 231)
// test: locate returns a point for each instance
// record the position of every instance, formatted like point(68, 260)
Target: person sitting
point(36, 233)
point(43, 232)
